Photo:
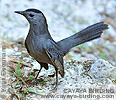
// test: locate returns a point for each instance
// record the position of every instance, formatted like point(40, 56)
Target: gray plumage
point(41, 46)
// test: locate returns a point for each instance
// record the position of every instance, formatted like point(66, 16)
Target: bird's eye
point(31, 15)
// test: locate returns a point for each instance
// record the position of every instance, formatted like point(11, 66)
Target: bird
point(42, 47)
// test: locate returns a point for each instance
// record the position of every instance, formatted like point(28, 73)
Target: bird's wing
point(55, 56)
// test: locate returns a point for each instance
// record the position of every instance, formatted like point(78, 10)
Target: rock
point(102, 69)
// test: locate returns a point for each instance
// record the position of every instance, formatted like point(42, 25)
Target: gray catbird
point(41, 46)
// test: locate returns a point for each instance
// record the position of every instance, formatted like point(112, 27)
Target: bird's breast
point(35, 48)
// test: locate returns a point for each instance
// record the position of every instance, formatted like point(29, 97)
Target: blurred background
point(64, 19)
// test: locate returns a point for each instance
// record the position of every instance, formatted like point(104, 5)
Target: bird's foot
point(34, 82)
point(55, 88)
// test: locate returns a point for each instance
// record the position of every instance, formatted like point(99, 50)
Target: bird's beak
point(20, 12)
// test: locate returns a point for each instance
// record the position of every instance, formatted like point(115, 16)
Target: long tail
point(92, 32)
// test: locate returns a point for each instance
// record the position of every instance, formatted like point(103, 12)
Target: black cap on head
point(33, 10)
point(28, 10)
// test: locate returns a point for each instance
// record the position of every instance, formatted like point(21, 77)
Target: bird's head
point(34, 16)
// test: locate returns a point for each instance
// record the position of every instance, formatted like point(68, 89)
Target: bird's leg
point(56, 79)
point(38, 73)
point(35, 80)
